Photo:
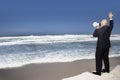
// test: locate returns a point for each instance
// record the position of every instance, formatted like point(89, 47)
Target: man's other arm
point(95, 34)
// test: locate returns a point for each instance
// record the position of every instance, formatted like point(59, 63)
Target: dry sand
point(52, 71)
point(113, 75)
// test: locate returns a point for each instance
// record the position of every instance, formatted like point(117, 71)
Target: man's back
point(103, 35)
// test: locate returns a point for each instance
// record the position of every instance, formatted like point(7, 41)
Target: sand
point(55, 71)
point(113, 75)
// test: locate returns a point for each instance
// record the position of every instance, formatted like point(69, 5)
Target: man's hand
point(97, 27)
point(111, 15)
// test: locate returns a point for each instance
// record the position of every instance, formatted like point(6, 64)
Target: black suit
point(103, 45)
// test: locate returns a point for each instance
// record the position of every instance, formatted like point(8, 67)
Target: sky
point(44, 17)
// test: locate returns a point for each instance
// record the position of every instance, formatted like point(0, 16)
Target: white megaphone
point(95, 24)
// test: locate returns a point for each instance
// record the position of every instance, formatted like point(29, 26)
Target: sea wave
point(49, 39)
point(22, 50)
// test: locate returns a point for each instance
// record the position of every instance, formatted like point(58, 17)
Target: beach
point(52, 71)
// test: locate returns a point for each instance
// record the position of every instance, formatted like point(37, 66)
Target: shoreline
point(52, 71)
point(18, 66)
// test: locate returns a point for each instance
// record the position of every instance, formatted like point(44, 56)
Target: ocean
point(20, 50)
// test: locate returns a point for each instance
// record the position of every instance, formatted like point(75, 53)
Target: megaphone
point(95, 24)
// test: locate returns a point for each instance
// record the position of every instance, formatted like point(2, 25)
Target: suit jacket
point(103, 35)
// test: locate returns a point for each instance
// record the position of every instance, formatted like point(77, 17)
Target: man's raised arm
point(111, 20)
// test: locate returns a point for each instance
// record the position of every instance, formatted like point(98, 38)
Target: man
point(103, 44)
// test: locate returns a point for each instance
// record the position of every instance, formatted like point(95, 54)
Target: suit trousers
point(102, 54)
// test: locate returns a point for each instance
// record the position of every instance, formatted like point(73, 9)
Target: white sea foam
point(17, 60)
point(44, 39)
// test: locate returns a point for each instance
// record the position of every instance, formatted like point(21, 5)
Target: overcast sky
point(35, 17)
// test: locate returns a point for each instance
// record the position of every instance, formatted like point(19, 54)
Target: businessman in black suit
point(103, 44)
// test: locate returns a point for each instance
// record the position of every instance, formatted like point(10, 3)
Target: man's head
point(104, 22)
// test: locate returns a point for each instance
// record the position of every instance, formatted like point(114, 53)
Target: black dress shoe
point(104, 71)
point(99, 74)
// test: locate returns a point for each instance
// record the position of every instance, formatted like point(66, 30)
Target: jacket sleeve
point(111, 25)
point(96, 33)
